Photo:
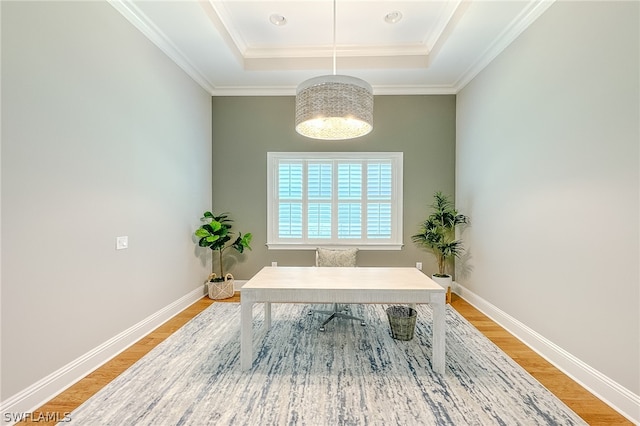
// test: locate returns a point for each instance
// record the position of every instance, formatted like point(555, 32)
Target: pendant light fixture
point(334, 107)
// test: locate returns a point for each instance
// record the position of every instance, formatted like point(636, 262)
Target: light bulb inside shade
point(334, 107)
point(333, 128)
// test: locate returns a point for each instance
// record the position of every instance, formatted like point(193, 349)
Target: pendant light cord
point(334, 37)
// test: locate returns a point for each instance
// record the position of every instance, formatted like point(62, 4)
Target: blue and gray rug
point(348, 375)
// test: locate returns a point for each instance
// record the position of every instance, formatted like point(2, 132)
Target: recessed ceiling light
point(393, 17)
point(278, 20)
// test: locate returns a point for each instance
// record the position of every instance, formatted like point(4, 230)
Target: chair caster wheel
point(363, 323)
point(321, 329)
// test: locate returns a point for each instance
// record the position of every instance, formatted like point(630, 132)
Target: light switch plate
point(122, 242)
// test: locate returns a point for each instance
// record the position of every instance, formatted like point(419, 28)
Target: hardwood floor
point(582, 402)
point(587, 406)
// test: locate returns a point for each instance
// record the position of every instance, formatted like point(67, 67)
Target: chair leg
point(336, 313)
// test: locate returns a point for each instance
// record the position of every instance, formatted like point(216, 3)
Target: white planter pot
point(446, 283)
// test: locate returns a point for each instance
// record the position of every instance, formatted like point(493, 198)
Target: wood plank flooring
point(591, 409)
point(582, 402)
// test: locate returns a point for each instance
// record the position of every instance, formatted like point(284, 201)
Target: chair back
point(336, 257)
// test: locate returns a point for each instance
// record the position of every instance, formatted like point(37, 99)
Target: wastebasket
point(402, 320)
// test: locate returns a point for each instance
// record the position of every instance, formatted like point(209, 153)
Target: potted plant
point(215, 233)
point(437, 234)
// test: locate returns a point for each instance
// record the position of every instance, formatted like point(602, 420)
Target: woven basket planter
point(220, 289)
point(402, 320)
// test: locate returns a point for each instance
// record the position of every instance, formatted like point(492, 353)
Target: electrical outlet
point(274, 263)
point(122, 243)
point(419, 265)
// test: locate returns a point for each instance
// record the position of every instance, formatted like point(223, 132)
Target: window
point(334, 199)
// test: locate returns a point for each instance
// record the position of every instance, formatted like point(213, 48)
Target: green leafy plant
point(215, 233)
point(437, 233)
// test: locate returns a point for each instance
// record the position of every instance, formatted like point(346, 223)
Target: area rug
point(347, 375)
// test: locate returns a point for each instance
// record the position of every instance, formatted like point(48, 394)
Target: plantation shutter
point(328, 199)
point(350, 200)
point(290, 204)
point(319, 200)
point(379, 200)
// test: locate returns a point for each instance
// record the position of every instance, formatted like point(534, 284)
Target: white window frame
point(393, 243)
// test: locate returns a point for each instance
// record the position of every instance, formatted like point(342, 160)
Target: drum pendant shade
point(334, 107)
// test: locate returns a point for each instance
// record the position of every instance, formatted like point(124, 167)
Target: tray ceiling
point(242, 47)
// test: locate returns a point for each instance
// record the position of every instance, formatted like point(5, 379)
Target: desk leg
point(246, 334)
point(439, 321)
point(267, 315)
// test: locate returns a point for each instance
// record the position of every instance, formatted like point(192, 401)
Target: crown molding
point(534, 9)
point(139, 20)
point(291, 91)
point(414, 90)
point(254, 91)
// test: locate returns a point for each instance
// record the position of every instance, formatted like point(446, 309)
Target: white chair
point(336, 258)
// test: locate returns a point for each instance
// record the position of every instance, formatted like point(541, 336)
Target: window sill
point(372, 247)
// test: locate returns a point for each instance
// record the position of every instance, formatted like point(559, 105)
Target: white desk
point(340, 285)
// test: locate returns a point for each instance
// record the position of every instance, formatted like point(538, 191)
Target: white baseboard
point(45, 389)
point(237, 284)
point(618, 397)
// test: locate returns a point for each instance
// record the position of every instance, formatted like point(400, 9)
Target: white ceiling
point(230, 47)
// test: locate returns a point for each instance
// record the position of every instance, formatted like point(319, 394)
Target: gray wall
point(102, 135)
point(547, 167)
point(246, 128)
